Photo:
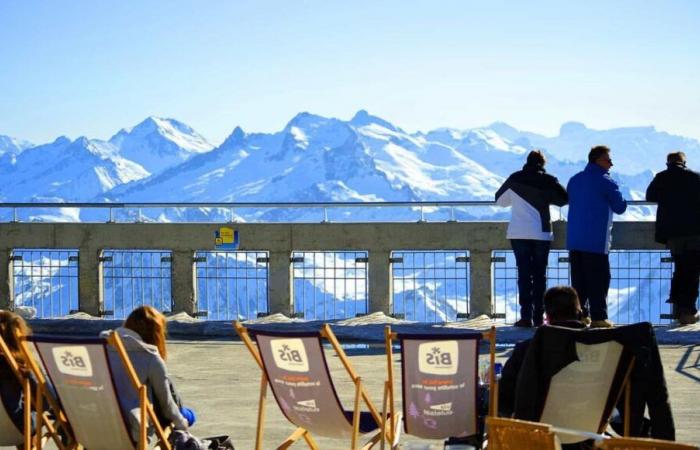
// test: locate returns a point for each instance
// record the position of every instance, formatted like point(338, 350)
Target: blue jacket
point(593, 197)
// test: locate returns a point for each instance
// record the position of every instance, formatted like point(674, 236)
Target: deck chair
point(439, 384)
point(10, 435)
point(294, 365)
point(37, 395)
point(80, 371)
point(513, 434)
point(580, 397)
point(643, 444)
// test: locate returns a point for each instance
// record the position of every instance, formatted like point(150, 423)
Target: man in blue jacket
point(593, 198)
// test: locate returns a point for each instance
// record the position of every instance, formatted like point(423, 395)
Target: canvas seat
point(80, 371)
point(439, 384)
point(294, 365)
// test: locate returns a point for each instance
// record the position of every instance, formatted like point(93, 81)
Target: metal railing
point(136, 212)
point(45, 279)
point(132, 278)
point(639, 285)
point(231, 284)
point(330, 284)
point(430, 286)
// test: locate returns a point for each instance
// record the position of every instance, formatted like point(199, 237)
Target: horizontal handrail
point(268, 204)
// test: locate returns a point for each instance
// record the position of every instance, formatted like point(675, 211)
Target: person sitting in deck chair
point(143, 335)
point(563, 309)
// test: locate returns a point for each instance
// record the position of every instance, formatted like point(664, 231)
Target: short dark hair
point(536, 158)
point(596, 152)
point(561, 303)
point(676, 157)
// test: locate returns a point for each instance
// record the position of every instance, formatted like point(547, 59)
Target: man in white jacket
point(530, 192)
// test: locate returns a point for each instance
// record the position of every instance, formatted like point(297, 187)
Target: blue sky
point(89, 68)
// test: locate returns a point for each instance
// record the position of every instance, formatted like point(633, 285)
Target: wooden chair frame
point(146, 408)
point(391, 420)
point(36, 439)
point(300, 432)
point(529, 435)
point(642, 443)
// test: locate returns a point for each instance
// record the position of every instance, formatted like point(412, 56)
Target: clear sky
point(78, 67)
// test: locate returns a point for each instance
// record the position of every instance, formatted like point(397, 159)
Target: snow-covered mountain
point(66, 170)
point(158, 143)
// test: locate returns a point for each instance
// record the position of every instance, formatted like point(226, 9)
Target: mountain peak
point(236, 138)
point(363, 118)
point(570, 128)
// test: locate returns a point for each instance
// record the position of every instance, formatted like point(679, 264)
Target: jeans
point(685, 282)
point(590, 276)
point(531, 258)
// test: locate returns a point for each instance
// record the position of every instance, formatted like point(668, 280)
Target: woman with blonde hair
point(143, 335)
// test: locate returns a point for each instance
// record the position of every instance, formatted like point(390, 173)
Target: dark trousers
point(531, 258)
point(590, 276)
point(686, 274)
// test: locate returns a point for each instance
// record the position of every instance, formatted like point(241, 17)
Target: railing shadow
point(689, 364)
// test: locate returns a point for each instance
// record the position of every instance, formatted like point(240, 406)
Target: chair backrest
point(439, 384)
point(578, 395)
point(512, 434)
point(9, 433)
point(80, 372)
point(643, 444)
point(296, 368)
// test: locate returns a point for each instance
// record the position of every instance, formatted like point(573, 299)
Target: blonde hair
point(10, 323)
point(150, 324)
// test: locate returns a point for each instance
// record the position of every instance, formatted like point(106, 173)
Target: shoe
point(601, 324)
point(688, 319)
point(523, 323)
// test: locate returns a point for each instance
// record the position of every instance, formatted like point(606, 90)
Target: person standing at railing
point(677, 191)
point(530, 192)
point(593, 198)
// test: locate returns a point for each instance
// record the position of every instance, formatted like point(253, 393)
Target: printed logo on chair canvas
point(438, 358)
point(290, 354)
point(73, 360)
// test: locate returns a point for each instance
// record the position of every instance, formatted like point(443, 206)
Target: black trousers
point(685, 283)
point(590, 276)
point(531, 258)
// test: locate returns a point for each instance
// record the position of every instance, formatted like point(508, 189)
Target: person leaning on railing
point(677, 191)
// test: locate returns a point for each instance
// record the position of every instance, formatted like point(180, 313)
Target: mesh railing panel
point(132, 278)
point(46, 279)
point(231, 284)
point(330, 284)
point(430, 286)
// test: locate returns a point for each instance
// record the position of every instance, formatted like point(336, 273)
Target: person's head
point(561, 303)
point(536, 158)
point(677, 158)
point(150, 324)
point(600, 155)
point(10, 323)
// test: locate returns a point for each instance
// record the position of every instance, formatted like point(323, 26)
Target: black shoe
point(523, 323)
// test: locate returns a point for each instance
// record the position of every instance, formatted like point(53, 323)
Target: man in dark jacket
point(563, 310)
point(593, 198)
point(677, 191)
point(530, 192)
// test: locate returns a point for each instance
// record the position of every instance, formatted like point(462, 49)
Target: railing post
point(480, 283)
point(280, 283)
point(183, 274)
point(379, 281)
point(89, 280)
point(5, 275)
